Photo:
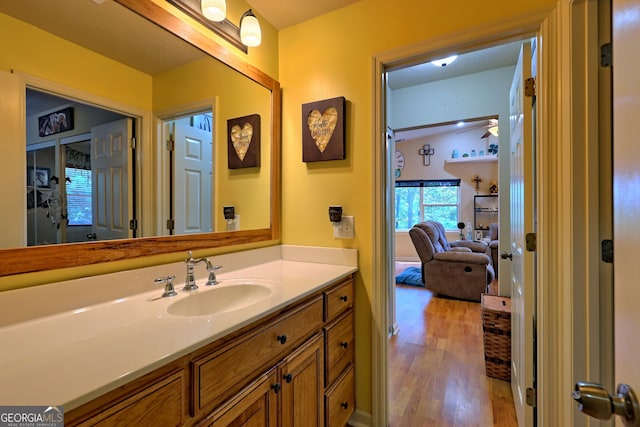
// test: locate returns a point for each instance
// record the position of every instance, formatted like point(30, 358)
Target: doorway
point(66, 145)
point(189, 168)
point(450, 94)
point(565, 347)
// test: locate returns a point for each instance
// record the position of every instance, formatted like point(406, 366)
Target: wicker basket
point(496, 326)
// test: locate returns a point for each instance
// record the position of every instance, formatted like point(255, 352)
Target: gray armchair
point(457, 272)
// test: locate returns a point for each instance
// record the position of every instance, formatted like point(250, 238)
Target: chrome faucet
point(190, 283)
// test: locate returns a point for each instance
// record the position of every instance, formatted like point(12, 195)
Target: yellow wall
point(332, 56)
point(35, 52)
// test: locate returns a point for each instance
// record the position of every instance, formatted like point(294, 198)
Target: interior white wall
point(474, 95)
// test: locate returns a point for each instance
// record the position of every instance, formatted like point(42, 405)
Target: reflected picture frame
point(38, 177)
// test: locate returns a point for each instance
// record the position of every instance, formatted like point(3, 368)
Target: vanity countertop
point(71, 357)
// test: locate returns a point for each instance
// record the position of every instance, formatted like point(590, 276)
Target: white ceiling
point(468, 63)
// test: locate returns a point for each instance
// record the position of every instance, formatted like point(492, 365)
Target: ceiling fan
point(490, 125)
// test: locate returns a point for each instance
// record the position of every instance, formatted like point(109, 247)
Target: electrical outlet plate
point(234, 224)
point(344, 229)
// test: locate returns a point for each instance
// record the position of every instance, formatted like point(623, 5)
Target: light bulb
point(445, 61)
point(250, 32)
point(214, 10)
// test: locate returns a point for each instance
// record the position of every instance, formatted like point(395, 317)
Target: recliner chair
point(457, 272)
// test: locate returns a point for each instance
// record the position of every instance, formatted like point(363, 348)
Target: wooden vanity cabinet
point(292, 368)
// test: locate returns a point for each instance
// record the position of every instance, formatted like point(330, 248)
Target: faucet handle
point(212, 274)
point(169, 290)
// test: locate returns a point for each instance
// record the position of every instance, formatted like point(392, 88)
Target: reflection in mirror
point(82, 201)
point(85, 57)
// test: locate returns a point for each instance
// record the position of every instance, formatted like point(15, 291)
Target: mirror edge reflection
point(41, 258)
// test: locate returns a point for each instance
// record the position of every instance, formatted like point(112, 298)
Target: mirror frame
point(41, 258)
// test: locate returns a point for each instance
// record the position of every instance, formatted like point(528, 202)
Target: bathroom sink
point(229, 295)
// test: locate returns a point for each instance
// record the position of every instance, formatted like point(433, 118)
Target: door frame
point(142, 134)
point(163, 172)
point(568, 231)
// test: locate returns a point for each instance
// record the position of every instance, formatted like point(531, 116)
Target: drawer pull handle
point(276, 387)
point(282, 338)
point(344, 344)
point(344, 298)
point(344, 405)
point(288, 378)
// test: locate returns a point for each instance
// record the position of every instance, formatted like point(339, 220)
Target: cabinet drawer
point(339, 344)
point(226, 371)
point(338, 299)
point(340, 400)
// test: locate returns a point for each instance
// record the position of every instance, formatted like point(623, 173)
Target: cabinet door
point(255, 406)
point(302, 377)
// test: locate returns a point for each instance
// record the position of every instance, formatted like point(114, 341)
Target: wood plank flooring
point(436, 366)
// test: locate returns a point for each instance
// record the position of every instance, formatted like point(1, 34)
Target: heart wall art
point(243, 136)
point(323, 128)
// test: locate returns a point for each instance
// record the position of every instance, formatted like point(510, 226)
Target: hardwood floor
point(436, 366)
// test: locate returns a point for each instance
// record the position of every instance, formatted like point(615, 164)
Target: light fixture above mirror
point(212, 14)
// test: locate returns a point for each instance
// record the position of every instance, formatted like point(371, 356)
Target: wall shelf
point(474, 159)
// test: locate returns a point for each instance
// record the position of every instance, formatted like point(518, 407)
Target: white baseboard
point(360, 419)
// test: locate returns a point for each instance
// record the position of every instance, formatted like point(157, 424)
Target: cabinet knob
point(288, 378)
point(282, 338)
point(344, 405)
point(344, 298)
point(344, 344)
point(276, 387)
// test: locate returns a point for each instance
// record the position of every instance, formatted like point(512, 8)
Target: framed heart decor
point(323, 128)
point(243, 136)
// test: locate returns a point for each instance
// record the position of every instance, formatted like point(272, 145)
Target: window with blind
point(79, 203)
point(422, 200)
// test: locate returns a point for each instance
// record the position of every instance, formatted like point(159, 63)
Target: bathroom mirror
point(229, 182)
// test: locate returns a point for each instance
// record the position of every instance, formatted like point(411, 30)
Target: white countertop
point(74, 356)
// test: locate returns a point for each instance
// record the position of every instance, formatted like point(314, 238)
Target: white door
point(111, 170)
point(522, 270)
point(193, 175)
point(626, 197)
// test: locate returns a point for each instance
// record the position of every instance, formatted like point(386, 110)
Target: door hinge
point(133, 224)
point(530, 87)
point(171, 145)
point(531, 397)
point(531, 241)
point(170, 224)
point(606, 55)
point(132, 143)
point(607, 251)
